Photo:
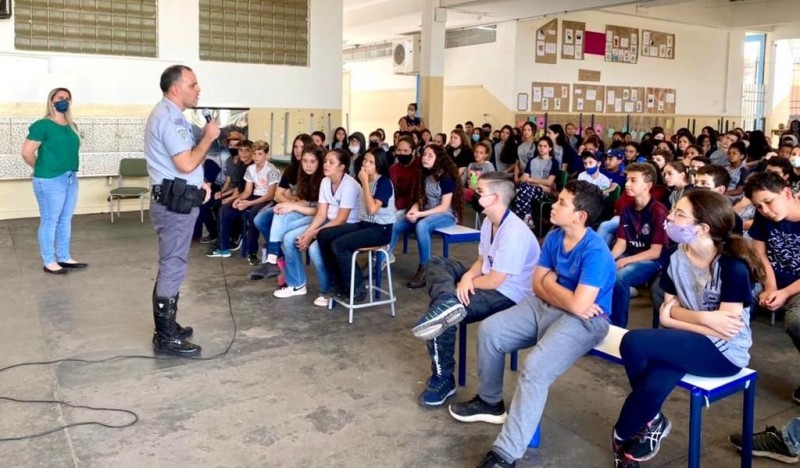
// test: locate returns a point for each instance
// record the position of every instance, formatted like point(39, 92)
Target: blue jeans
point(791, 435)
point(281, 224)
point(655, 361)
point(424, 227)
point(608, 230)
point(57, 198)
point(295, 269)
point(263, 221)
point(634, 274)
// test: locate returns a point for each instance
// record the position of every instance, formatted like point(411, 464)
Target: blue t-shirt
point(782, 240)
point(616, 177)
point(588, 263)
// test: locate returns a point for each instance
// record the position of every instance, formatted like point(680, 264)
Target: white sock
point(272, 258)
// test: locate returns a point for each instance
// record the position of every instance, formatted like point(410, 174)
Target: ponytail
point(737, 246)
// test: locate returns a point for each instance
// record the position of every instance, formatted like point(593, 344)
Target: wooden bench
point(703, 390)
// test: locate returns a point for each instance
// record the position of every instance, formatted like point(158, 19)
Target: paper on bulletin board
point(572, 40)
point(591, 94)
point(548, 92)
point(547, 42)
point(537, 94)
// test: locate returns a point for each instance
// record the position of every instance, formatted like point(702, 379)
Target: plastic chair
point(129, 167)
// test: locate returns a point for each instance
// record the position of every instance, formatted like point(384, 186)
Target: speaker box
point(5, 9)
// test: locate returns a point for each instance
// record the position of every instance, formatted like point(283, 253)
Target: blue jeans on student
point(608, 230)
point(263, 221)
point(281, 224)
point(632, 275)
point(423, 228)
point(791, 435)
point(57, 198)
point(295, 269)
point(655, 361)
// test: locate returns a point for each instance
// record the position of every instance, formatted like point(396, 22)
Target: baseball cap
point(616, 152)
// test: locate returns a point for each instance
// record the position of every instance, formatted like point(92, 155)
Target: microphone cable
point(134, 417)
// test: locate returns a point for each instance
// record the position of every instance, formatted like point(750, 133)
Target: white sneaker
point(288, 291)
point(321, 301)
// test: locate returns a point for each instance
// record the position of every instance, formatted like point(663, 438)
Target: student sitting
point(707, 315)
point(614, 169)
point(286, 192)
point(376, 217)
point(676, 178)
point(567, 316)
point(640, 238)
point(776, 238)
point(482, 151)
point(592, 174)
point(776, 164)
point(339, 196)
point(403, 174)
point(300, 210)
point(235, 167)
point(499, 278)
point(537, 182)
point(460, 149)
point(738, 171)
point(438, 200)
point(261, 179)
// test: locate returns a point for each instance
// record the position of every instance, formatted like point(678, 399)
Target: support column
point(434, 22)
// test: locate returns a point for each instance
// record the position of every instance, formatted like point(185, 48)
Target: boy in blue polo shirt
point(640, 238)
point(776, 239)
point(567, 317)
point(499, 278)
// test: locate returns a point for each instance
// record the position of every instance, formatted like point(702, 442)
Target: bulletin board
point(549, 97)
point(658, 44)
point(660, 101)
point(588, 98)
point(622, 44)
point(572, 37)
point(547, 43)
point(625, 99)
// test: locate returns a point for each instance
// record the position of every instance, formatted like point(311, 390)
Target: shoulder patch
point(183, 133)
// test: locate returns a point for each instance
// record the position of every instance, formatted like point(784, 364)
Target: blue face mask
point(592, 170)
point(475, 138)
point(61, 106)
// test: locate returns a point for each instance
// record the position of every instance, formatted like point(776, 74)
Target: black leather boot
point(183, 332)
point(418, 281)
point(167, 339)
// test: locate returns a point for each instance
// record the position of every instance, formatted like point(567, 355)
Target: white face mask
point(795, 161)
point(354, 149)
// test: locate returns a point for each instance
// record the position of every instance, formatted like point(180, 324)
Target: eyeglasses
point(678, 214)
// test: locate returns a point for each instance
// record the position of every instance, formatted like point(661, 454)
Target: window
point(107, 27)
point(254, 31)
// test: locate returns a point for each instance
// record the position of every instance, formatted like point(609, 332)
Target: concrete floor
point(299, 387)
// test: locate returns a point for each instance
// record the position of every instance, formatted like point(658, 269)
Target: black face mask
point(373, 144)
point(405, 160)
point(233, 151)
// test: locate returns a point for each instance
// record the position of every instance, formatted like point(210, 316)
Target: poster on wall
point(622, 44)
point(660, 101)
point(625, 99)
point(658, 44)
point(588, 98)
point(547, 43)
point(547, 97)
point(572, 40)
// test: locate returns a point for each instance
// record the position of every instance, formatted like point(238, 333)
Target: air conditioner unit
point(406, 56)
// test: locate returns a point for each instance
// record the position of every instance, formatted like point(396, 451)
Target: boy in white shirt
point(592, 173)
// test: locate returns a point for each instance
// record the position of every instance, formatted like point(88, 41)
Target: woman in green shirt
point(51, 149)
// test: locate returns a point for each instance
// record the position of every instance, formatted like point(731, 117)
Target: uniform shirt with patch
point(262, 178)
point(703, 289)
point(348, 195)
point(601, 181)
point(588, 263)
point(782, 240)
point(513, 251)
point(168, 134)
point(436, 189)
point(642, 229)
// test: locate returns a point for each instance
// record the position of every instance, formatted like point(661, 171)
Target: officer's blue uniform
point(167, 135)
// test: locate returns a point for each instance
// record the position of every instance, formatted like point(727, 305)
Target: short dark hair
point(646, 170)
point(406, 139)
point(246, 144)
point(782, 163)
point(320, 134)
point(768, 181)
point(469, 122)
point(719, 174)
point(739, 146)
point(172, 74)
point(486, 146)
point(702, 159)
point(588, 198)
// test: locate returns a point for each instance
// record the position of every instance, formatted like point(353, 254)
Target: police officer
point(174, 163)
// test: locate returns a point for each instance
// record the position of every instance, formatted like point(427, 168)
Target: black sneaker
point(259, 273)
point(645, 445)
point(796, 395)
point(272, 270)
point(493, 460)
point(477, 410)
point(767, 444)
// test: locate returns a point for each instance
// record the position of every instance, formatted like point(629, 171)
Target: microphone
point(207, 115)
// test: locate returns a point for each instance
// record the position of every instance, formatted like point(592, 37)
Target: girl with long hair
point(437, 202)
point(377, 214)
point(505, 150)
point(676, 178)
point(51, 149)
point(339, 139)
point(706, 319)
point(538, 180)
